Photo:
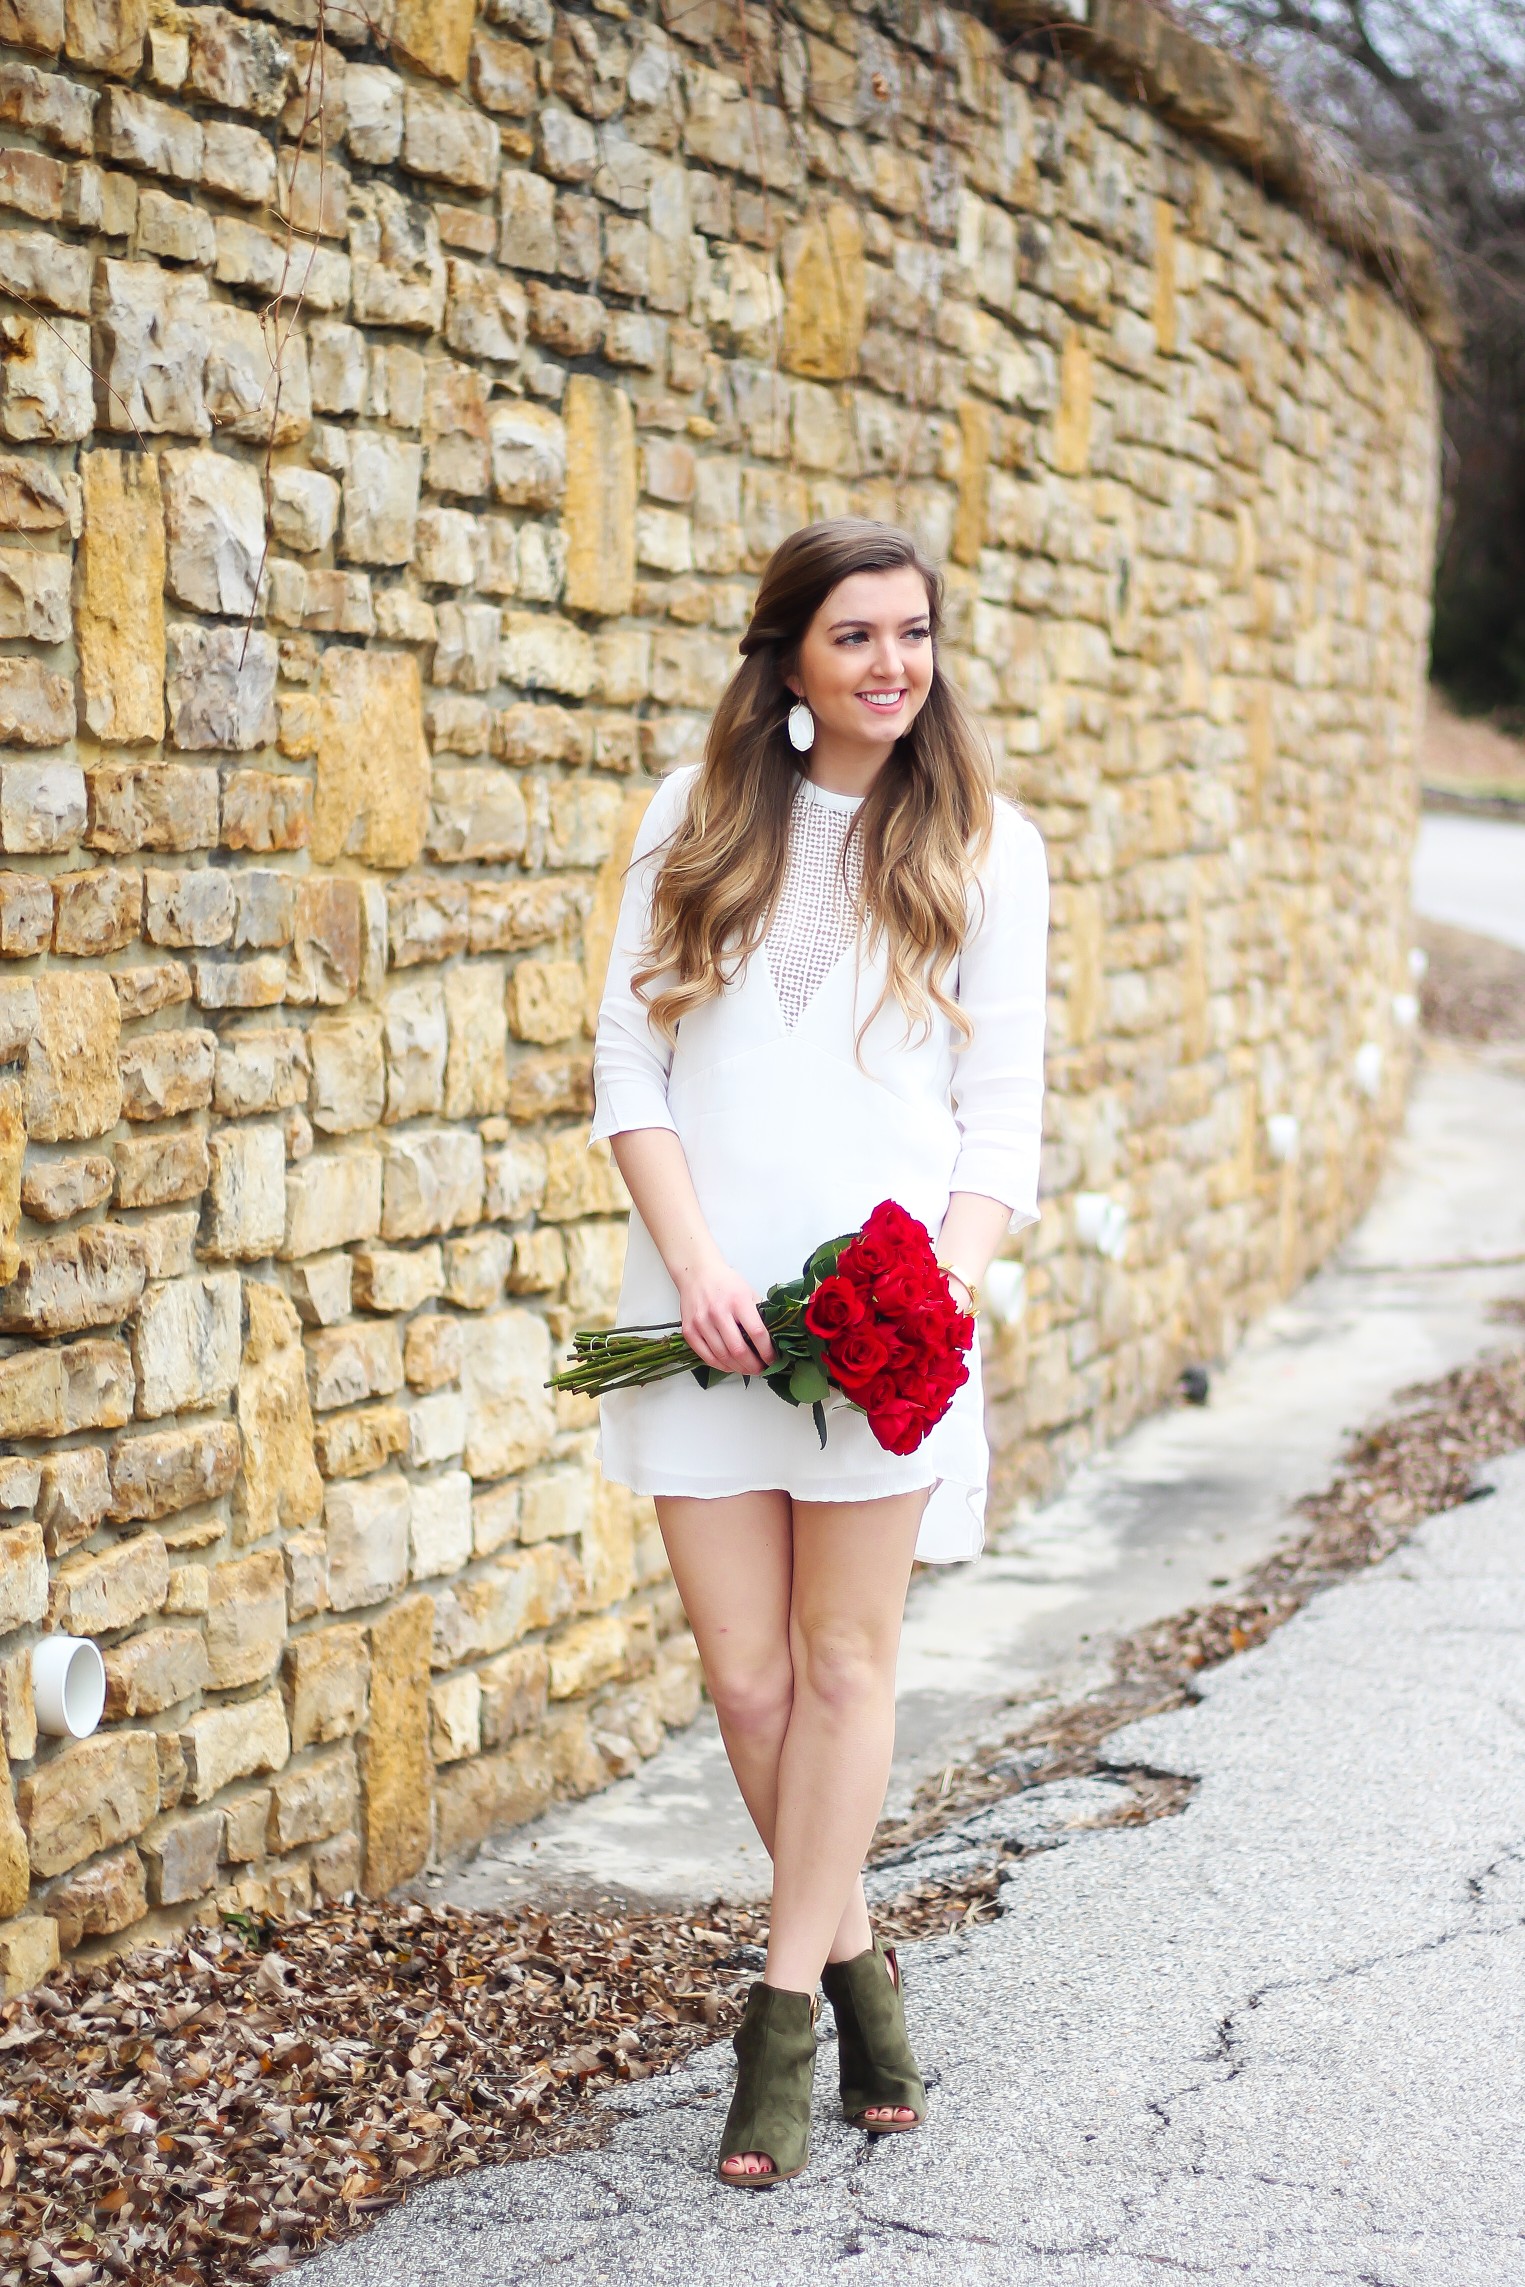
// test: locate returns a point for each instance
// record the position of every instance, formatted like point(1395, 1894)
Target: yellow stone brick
point(1072, 422)
point(434, 36)
point(395, 1761)
point(120, 613)
point(824, 295)
point(598, 512)
point(372, 792)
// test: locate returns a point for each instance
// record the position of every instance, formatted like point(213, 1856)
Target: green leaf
point(819, 1411)
point(807, 1384)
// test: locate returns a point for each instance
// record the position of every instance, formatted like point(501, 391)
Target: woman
point(826, 989)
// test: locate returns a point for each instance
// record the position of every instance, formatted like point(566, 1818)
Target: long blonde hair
point(921, 830)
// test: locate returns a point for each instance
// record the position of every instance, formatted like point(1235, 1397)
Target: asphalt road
point(1271, 2040)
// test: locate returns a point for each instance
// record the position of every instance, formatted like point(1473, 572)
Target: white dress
point(792, 1139)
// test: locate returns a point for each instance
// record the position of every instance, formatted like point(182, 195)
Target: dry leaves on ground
point(1474, 987)
point(204, 2112)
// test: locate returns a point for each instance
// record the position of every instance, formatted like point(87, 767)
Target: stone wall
point(394, 413)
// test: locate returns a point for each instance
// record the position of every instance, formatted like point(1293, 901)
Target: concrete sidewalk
point(1273, 2039)
point(1190, 1500)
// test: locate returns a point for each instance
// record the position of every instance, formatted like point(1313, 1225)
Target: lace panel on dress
point(816, 919)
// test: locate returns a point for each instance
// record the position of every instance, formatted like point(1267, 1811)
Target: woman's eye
point(853, 635)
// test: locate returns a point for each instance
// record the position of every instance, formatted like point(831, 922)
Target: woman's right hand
point(722, 1324)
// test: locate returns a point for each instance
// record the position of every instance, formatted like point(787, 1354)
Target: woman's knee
point(751, 1698)
point(843, 1664)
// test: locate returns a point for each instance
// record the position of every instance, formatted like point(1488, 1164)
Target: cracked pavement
point(1272, 2039)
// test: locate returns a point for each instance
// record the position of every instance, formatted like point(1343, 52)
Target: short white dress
point(793, 1137)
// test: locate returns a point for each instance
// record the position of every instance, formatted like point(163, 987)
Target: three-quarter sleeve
point(998, 1074)
point(631, 1059)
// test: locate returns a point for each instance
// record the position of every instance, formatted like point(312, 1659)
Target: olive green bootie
point(770, 2111)
point(874, 2057)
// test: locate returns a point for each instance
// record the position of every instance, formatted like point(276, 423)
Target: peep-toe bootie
point(877, 2069)
point(770, 2111)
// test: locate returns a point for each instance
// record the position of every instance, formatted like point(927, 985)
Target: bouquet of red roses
point(871, 1316)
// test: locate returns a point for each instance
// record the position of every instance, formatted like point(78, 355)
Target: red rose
point(901, 1289)
point(875, 1395)
point(835, 1306)
point(890, 1221)
point(868, 1258)
point(899, 1426)
point(857, 1356)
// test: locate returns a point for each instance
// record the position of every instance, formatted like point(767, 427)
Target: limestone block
point(246, 1618)
point(244, 1823)
point(556, 1503)
point(540, 1086)
point(238, 162)
point(45, 379)
point(31, 496)
point(395, 1752)
point(506, 916)
point(398, 273)
point(71, 1026)
point(455, 1718)
point(494, 1518)
point(589, 1653)
point(262, 811)
point(241, 65)
point(595, 1260)
point(373, 119)
point(600, 496)
point(358, 1443)
point(579, 1180)
point(679, 1681)
point(34, 596)
point(173, 229)
point(44, 272)
point(347, 1364)
point(467, 650)
point(96, 1793)
point(372, 797)
point(317, 1800)
point(181, 1856)
point(193, 908)
point(185, 1344)
point(153, 806)
point(150, 986)
point(327, 1684)
point(267, 909)
point(380, 499)
point(304, 509)
point(393, 1281)
point(24, 1574)
point(432, 1181)
point(332, 1200)
point(514, 1689)
point(348, 1071)
point(328, 937)
point(220, 686)
point(153, 333)
point(1072, 419)
point(174, 1469)
point(416, 1043)
point(280, 1487)
point(221, 1744)
point(20, 1483)
point(89, 1277)
point(516, 1180)
point(245, 1216)
point(440, 1525)
point(446, 547)
point(98, 1379)
point(543, 652)
point(306, 1556)
point(486, 1794)
point(26, 916)
point(365, 1525)
point(545, 1000)
point(448, 141)
point(28, 1949)
point(435, 37)
point(476, 1072)
point(503, 76)
point(154, 1670)
point(214, 514)
point(432, 1351)
point(476, 815)
point(487, 1611)
point(262, 1070)
point(510, 1416)
point(539, 1263)
point(586, 815)
point(36, 706)
point(263, 262)
point(475, 1268)
point(436, 1429)
point(97, 912)
point(485, 313)
point(166, 1073)
point(75, 1490)
point(161, 1169)
point(529, 455)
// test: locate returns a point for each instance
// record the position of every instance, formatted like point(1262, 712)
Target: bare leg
point(852, 1565)
point(733, 1561)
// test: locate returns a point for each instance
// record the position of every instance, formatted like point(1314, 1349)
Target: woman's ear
point(793, 683)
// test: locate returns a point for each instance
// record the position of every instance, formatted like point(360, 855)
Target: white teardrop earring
point(801, 726)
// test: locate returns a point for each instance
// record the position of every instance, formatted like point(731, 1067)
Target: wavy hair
point(921, 829)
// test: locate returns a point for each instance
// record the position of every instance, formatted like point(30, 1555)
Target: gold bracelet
point(951, 1270)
